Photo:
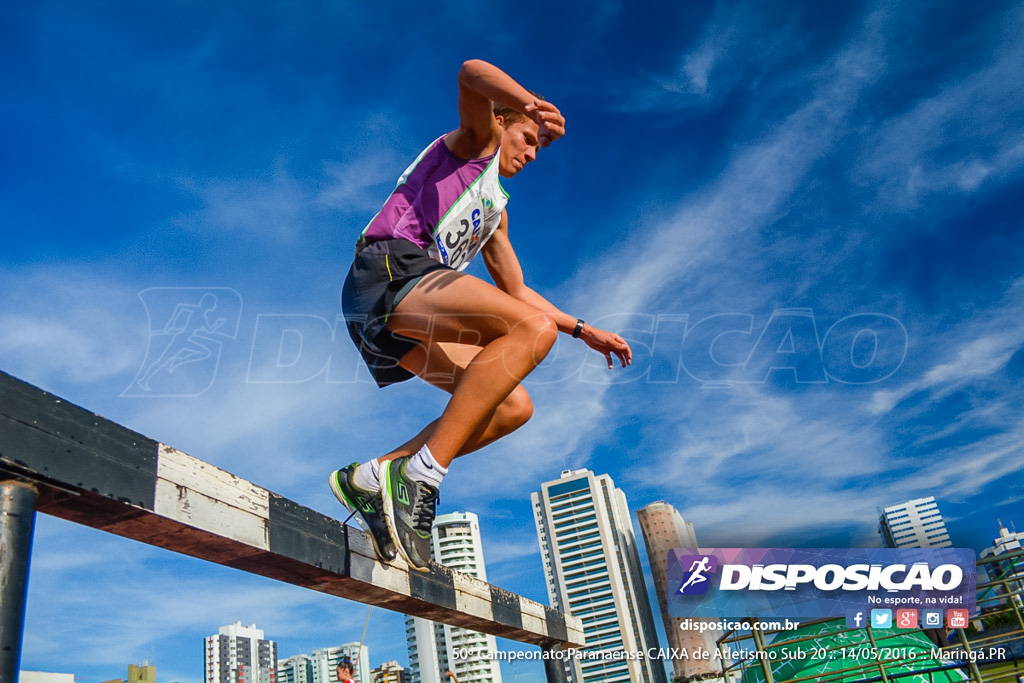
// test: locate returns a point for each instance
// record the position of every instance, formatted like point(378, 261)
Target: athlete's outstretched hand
point(609, 344)
point(550, 122)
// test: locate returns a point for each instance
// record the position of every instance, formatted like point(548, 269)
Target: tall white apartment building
point(914, 524)
point(592, 568)
point(455, 543)
point(240, 654)
point(358, 654)
point(295, 669)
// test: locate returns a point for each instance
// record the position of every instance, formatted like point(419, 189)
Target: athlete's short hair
point(509, 115)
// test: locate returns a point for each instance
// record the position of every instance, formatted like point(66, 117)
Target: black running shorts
point(382, 273)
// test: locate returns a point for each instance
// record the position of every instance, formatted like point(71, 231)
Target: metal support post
point(554, 666)
point(17, 517)
point(761, 647)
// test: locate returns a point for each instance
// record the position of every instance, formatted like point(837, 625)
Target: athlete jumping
point(412, 311)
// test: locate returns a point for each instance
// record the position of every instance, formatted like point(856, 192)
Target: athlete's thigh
point(441, 363)
point(446, 306)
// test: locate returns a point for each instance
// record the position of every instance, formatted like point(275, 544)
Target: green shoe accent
point(368, 508)
point(409, 510)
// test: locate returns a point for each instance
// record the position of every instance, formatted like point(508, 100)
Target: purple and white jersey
point(448, 205)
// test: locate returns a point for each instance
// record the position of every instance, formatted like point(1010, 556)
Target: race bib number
point(471, 220)
point(459, 240)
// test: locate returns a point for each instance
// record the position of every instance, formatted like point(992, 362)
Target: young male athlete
point(412, 312)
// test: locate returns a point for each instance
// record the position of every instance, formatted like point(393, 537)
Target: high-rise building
point(358, 654)
point(455, 543)
point(914, 524)
point(1005, 567)
point(322, 665)
point(592, 568)
point(664, 529)
point(240, 654)
point(295, 669)
point(390, 672)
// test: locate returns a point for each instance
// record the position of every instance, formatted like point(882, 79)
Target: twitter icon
point(881, 618)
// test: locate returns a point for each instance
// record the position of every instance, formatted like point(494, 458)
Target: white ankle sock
point(367, 476)
point(422, 467)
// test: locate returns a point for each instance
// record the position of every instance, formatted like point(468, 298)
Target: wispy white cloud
point(358, 184)
point(750, 193)
point(959, 141)
point(275, 207)
point(736, 48)
point(64, 324)
point(969, 352)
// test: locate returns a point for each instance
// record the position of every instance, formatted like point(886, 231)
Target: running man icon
point(697, 570)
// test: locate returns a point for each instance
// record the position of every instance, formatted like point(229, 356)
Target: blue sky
point(831, 190)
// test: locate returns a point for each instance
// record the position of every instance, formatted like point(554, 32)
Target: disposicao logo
point(816, 582)
point(695, 580)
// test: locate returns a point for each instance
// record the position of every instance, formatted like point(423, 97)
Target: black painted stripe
point(302, 534)
point(436, 586)
point(62, 443)
point(556, 624)
point(506, 607)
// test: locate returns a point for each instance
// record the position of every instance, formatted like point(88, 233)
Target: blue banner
point(814, 583)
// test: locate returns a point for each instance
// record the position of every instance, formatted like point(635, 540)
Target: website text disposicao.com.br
point(706, 625)
point(690, 625)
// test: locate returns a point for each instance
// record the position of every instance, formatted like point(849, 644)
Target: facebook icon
point(854, 618)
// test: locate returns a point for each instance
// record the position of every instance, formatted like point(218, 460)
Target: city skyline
point(805, 218)
point(1008, 539)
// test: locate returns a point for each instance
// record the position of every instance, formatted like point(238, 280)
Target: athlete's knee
point(515, 411)
point(543, 332)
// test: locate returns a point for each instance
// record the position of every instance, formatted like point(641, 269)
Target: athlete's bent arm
point(507, 273)
point(479, 134)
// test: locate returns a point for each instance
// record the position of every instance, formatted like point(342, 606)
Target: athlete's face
point(519, 145)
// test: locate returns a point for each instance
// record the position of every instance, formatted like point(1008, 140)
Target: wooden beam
point(100, 474)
